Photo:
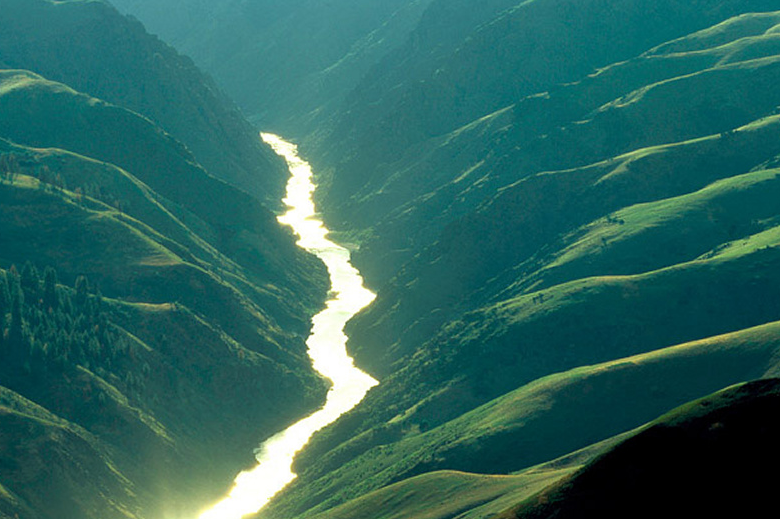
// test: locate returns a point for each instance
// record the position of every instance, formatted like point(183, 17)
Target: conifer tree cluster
point(11, 166)
point(50, 329)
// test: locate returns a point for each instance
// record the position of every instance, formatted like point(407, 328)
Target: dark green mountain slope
point(39, 113)
point(446, 494)
point(521, 51)
point(718, 446)
point(163, 382)
point(485, 354)
point(669, 467)
point(120, 392)
point(532, 213)
point(285, 62)
point(622, 214)
point(570, 126)
point(92, 48)
point(128, 259)
point(532, 222)
point(536, 422)
point(55, 447)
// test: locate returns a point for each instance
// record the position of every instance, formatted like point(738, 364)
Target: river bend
point(326, 347)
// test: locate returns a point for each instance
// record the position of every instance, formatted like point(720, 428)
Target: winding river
point(326, 346)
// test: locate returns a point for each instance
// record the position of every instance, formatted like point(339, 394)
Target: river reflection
point(326, 345)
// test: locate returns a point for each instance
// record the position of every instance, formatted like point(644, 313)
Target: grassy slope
point(652, 247)
point(55, 466)
point(539, 421)
point(444, 494)
point(490, 350)
point(239, 351)
point(125, 258)
point(40, 113)
point(91, 47)
point(118, 189)
point(706, 458)
point(727, 426)
point(674, 96)
point(207, 318)
point(127, 252)
point(657, 234)
point(395, 116)
point(522, 226)
point(528, 214)
point(277, 59)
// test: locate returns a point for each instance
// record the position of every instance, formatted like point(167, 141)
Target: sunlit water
point(253, 489)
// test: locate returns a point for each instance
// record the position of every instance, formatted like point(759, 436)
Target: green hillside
point(531, 215)
point(569, 212)
point(52, 448)
point(43, 114)
point(542, 420)
point(89, 46)
point(103, 402)
point(618, 215)
point(445, 494)
point(166, 296)
point(440, 495)
point(313, 66)
point(717, 446)
point(530, 247)
point(191, 325)
point(495, 64)
point(673, 98)
point(671, 462)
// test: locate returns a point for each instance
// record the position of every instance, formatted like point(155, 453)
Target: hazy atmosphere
point(389, 259)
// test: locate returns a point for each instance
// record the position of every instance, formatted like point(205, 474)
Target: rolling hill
point(668, 467)
point(89, 46)
point(187, 321)
point(623, 213)
point(277, 59)
point(714, 446)
point(569, 211)
point(141, 297)
point(539, 421)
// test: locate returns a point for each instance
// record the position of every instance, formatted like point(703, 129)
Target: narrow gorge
point(549, 228)
point(326, 347)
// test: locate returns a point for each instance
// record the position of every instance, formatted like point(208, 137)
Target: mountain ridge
point(91, 47)
point(141, 297)
point(568, 211)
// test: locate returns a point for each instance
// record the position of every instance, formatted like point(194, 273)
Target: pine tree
point(5, 298)
point(31, 281)
point(16, 342)
point(13, 282)
point(62, 349)
point(82, 291)
point(50, 297)
point(5, 305)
